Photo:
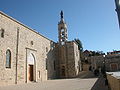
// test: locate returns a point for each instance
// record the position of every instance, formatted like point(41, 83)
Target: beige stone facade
point(109, 62)
point(23, 42)
point(68, 54)
point(112, 62)
point(33, 57)
point(97, 62)
point(68, 60)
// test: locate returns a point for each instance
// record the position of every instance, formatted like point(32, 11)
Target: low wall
point(113, 81)
point(86, 67)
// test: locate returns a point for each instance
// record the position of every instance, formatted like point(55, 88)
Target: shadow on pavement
point(100, 84)
point(87, 75)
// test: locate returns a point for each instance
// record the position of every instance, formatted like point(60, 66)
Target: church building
point(27, 56)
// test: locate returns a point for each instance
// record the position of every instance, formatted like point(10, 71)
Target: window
point(54, 66)
point(63, 70)
point(46, 49)
point(39, 74)
point(31, 42)
point(46, 64)
point(2, 33)
point(8, 59)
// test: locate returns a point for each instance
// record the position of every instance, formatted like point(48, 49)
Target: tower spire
point(62, 30)
point(61, 14)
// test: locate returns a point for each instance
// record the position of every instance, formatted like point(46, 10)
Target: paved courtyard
point(64, 84)
point(85, 82)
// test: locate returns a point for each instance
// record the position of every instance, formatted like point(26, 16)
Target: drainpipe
point(66, 52)
point(119, 84)
point(17, 53)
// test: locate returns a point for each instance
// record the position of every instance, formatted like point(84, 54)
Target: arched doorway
point(31, 67)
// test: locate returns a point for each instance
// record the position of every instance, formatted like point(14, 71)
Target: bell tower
point(62, 30)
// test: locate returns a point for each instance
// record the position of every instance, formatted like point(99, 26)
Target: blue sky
point(94, 22)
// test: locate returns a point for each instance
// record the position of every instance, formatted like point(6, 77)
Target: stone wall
point(77, 58)
point(67, 56)
point(21, 40)
point(28, 47)
point(71, 60)
point(113, 81)
point(113, 59)
point(86, 67)
point(97, 62)
point(7, 75)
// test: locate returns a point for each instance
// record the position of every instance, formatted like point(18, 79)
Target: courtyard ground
point(86, 82)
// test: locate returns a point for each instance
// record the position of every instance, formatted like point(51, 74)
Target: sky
point(94, 22)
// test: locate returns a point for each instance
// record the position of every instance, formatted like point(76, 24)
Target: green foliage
point(96, 53)
point(80, 47)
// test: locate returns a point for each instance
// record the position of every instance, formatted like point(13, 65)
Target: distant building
point(92, 60)
point(109, 62)
point(85, 56)
point(26, 55)
point(86, 60)
point(112, 60)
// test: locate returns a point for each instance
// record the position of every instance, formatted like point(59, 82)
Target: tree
point(97, 53)
point(80, 47)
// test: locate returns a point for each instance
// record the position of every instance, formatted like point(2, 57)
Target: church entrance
point(31, 73)
point(31, 67)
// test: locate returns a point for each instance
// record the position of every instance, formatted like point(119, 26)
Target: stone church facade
point(27, 56)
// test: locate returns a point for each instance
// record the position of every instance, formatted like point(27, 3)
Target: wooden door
point(114, 67)
point(31, 72)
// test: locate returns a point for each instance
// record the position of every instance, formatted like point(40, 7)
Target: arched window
point(46, 49)
point(8, 59)
point(31, 59)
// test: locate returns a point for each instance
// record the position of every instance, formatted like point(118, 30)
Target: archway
point(31, 67)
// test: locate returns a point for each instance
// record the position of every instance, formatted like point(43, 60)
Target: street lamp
point(104, 66)
point(117, 3)
point(105, 76)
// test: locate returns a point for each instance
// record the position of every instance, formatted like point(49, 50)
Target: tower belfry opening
point(62, 30)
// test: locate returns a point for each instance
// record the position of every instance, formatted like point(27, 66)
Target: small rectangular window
point(46, 49)
point(2, 33)
point(46, 64)
point(39, 74)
